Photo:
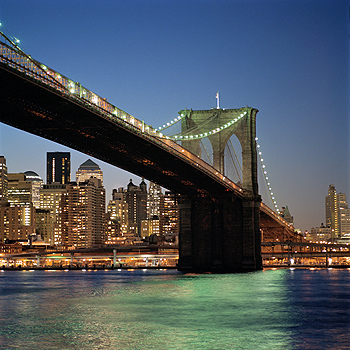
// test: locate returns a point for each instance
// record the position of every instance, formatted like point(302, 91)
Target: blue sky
point(288, 59)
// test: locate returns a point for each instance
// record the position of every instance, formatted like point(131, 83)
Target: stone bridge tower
point(220, 125)
point(221, 234)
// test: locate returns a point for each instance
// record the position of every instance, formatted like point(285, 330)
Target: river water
point(164, 309)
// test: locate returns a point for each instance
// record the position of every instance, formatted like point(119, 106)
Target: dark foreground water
point(271, 309)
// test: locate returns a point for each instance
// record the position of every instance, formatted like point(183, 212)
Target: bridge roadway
point(34, 107)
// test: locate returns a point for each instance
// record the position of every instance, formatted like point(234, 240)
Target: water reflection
point(273, 309)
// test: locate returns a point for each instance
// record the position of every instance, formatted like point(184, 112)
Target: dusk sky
point(288, 59)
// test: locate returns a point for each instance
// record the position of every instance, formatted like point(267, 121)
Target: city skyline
point(290, 64)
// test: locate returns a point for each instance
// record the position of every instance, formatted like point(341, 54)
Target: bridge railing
point(15, 58)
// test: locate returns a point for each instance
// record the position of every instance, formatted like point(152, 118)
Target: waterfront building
point(37, 184)
point(136, 199)
point(332, 212)
point(58, 167)
point(321, 234)
point(169, 214)
point(10, 248)
point(88, 169)
point(82, 214)
point(3, 180)
point(50, 199)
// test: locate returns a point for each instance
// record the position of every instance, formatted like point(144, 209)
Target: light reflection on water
point(271, 309)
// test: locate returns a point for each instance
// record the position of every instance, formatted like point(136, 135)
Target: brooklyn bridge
point(222, 223)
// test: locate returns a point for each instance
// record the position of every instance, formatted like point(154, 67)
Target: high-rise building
point(169, 210)
point(153, 200)
point(153, 210)
point(15, 222)
point(37, 184)
point(332, 214)
point(20, 195)
point(82, 214)
point(88, 169)
point(344, 215)
point(3, 180)
point(58, 167)
point(44, 225)
point(50, 199)
point(136, 199)
point(19, 190)
point(117, 209)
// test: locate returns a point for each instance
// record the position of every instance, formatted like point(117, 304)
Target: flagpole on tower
point(217, 100)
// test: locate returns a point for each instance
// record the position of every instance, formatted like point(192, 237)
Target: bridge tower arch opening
point(233, 160)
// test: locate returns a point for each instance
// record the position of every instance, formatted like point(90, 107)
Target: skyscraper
point(89, 169)
point(332, 212)
point(37, 184)
point(82, 214)
point(58, 167)
point(344, 215)
point(50, 199)
point(153, 200)
point(3, 180)
point(19, 190)
point(169, 218)
point(136, 199)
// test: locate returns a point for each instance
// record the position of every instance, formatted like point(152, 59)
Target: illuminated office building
point(153, 210)
point(58, 167)
point(88, 169)
point(153, 200)
point(19, 190)
point(136, 199)
point(332, 212)
point(3, 180)
point(169, 214)
point(117, 209)
point(16, 222)
point(344, 215)
point(82, 214)
point(50, 199)
point(44, 225)
point(20, 195)
point(37, 184)
point(321, 233)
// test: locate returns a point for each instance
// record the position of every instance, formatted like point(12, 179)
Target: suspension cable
point(234, 163)
point(210, 162)
point(266, 177)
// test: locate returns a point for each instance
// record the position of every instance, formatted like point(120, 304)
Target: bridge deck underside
point(36, 108)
